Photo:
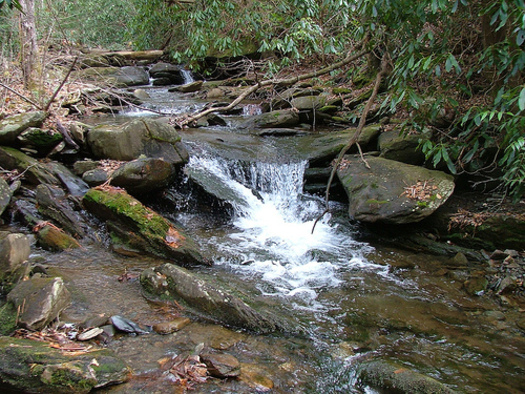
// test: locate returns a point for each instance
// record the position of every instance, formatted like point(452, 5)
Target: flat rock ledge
point(35, 367)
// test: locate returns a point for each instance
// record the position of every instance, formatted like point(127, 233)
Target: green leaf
point(521, 102)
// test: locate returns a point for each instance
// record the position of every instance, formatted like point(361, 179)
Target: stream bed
point(355, 300)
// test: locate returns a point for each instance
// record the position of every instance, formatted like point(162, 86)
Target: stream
point(356, 300)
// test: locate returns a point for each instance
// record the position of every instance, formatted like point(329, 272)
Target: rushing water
point(359, 302)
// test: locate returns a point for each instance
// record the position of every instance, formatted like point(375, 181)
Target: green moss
point(7, 319)
point(341, 91)
point(422, 204)
point(380, 202)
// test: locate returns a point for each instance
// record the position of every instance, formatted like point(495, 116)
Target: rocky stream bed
point(139, 258)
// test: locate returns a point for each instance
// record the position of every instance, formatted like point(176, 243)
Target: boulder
point(12, 126)
point(74, 185)
point(206, 299)
point(41, 141)
point(41, 300)
point(321, 150)
point(143, 175)
point(34, 171)
point(168, 71)
point(188, 87)
point(53, 203)
point(149, 137)
point(392, 192)
point(395, 145)
point(53, 238)
point(116, 76)
point(139, 228)
point(284, 99)
point(273, 119)
point(5, 195)
point(389, 377)
point(35, 367)
point(14, 252)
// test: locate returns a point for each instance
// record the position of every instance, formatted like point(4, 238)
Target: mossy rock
point(34, 171)
point(53, 238)
point(32, 366)
point(140, 227)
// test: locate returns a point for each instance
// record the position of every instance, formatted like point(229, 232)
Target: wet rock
point(12, 126)
point(384, 375)
point(392, 192)
point(74, 185)
point(148, 137)
point(507, 285)
point(82, 166)
point(171, 326)
point(321, 150)
point(143, 175)
point(53, 238)
point(221, 365)
point(280, 132)
point(52, 203)
point(458, 261)
point(403, 147)
point(205, 299)
point(95, 177)
point(141, 94)
point(273, 119)
point(133, 224)
point(5, 195)
point(32, 366)
point(170, 72)
point(256, 378)
point(126, 325)
point(14, 251)
point(498, 255)
point(40, 301)
point(284, 99)
point(476, 285)
point(34, 171)
point(187, 88)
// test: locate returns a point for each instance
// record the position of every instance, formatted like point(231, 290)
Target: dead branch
point(61, 85)
point(355, 137)
point(37, 106)
point(181, 122)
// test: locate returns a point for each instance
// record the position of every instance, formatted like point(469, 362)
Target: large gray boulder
point(206, 299)
point(136, 229)
point(35, 367)
point(392, 192)
point(41, 300)
point(14, 251)
point(149, 137)
point(171, 73)
point(273, 119)
point(12, 126)
point(143, 175)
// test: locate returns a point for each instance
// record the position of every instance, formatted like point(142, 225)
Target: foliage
point(10, 4)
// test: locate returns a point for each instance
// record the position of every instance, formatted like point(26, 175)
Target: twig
point(357, 134)
point(61, 85)
point(22, 96)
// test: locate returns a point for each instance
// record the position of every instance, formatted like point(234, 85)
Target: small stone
point(476, 285)
point(171, 326)
point(508, 260)
point(459, 260)
point(507, 285)
point(255, 379)
point(512, 253)
point(222, 365)
point(90, 334)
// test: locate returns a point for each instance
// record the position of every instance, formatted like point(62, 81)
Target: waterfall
point(272, 227)
point(187, 76)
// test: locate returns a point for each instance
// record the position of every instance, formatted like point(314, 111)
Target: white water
point(272, 237)
point(187, 75)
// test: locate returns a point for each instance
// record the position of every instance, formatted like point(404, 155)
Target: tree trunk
point(29, 43)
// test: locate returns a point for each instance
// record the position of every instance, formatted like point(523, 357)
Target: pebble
point(171, 326)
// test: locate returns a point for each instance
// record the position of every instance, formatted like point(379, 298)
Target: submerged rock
point(221, 365)
point(35, 367)
point(384, 375)
point(139, 228)
point(129, 141)
point(171, 326)
point(392, 192)
point(40, 301)
point(205, 299)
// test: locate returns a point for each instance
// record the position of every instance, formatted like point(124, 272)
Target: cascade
point(187, 75)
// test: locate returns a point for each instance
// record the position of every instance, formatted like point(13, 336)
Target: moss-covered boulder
point(35, 172)
point(205, 299)
point(52, 238)
point(12, 126)
point(39, 140)
point(35, 367)
point(138, 228)
point(149, 137)
point(392, 378)
point(390, 191)
point(395, 145)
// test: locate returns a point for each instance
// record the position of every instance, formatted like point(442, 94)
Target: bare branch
point(61, 84)
point(37, 106)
